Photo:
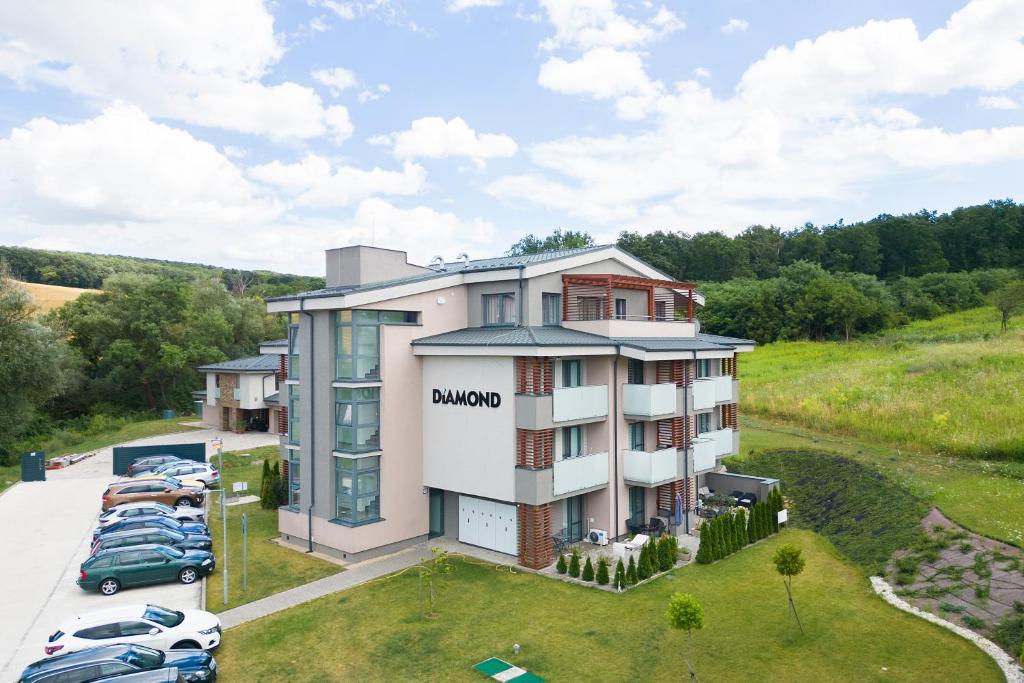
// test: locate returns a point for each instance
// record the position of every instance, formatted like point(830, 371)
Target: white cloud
point(584, 24)
point(460, 5)
point(735, 26)
point(432, 137)
point(336, 79)
point(812, 122)
point(313, 182)
point(200, 63)
point(701, 72)
point(371, 94)
point(603, 73)
point(998, 102)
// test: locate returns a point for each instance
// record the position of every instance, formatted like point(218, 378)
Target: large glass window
point(357, 489)
point(636, 436)
point(357, 418)
point(572, 373)
point(293, 351)
point(620, 309)
point(357, 345)
point(294, 407)
point(499, 309)
point(552, 305)
point(294, 477)
point(635, 371)
point(572, 441)
point(703, 367)
point(703, 423)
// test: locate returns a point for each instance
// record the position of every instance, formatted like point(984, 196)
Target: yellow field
point(49, 297)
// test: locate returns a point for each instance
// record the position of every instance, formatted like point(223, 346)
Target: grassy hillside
point(49, 297)
point(951, 385)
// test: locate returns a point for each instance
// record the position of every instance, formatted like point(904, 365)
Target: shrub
point(588, 571)
point(704, 549)
point(631, 572)
point(981, 592)
point(965, 547)
point(620, 574)
point(665, 561)
point(946, 607)
point(644, 568)
point(574, 564)
point(1018, 607)
point(974, 622)
point(602, 571)
point(1010, 633)
point(561, 567)
point(729, 532)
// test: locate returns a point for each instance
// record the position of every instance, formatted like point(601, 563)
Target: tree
point(741, 527)
point(574, 564)
point(789, 562)
point(620, 575)
point(665, 558)
point(268, 497)
point(686, 614)
point(704, 555)
point(588, 570)
point(644, 569)
point(1009, 301)
point(280, 487)
point(432, 572)
point(558, 240)
point(631, 571)
point(602, 571)
point(561, 567)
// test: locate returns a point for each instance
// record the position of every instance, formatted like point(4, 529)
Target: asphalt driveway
point(45, 529)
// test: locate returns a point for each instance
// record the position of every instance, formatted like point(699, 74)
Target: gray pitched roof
point(514, 336)
point(266, 363)
point(274, 342)
point(273, 399)
point(728, 341)
point(668, 343)
point(476, 266)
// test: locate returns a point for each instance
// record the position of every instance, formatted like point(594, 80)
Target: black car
point(153, 676)
point(150, 463)
point(98, 663)
point(152, 522)
point(159, 536)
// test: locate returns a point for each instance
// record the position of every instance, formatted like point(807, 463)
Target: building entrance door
point(436, 513)
point(636, 505)
point(574, 517)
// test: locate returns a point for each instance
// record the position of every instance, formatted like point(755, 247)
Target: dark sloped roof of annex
point(266, 363)
point(475, 266)
point(560, 336)
point(274, 342)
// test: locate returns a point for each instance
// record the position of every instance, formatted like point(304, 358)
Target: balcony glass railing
point(648, 400)
point(649, 467)
point(579, 403)
point(707, 391)
point(710, 446)
point(579, 472)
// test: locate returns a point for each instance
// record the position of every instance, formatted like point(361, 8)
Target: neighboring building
point(500, 401)
point(243, 394)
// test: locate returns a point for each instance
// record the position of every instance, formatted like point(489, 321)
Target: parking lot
point(45, 535)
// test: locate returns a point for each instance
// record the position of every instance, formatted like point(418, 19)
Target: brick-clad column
point(535, 535)
point(282, 368)
point(282, 420)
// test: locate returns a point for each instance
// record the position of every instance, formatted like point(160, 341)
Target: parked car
point(151, 462)
point(190, 513)
point(150, 625)
point(100, 663)
point(146, 536)
point(153, 522)
point(110, 570)
point(197, 471)
point(170, 675)
point(168, 491)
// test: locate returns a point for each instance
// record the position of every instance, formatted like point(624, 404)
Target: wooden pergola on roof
point(575, 287)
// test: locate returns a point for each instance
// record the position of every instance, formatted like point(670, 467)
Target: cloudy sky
point(256, 134)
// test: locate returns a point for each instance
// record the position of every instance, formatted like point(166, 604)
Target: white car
point(196, 471)
point(129, 510)
point(150, 625)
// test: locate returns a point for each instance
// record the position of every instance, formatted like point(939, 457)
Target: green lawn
point(948, 386)
point(374, 632)
point(272, 568)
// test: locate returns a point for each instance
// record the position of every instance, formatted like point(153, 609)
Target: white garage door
point(488, 524)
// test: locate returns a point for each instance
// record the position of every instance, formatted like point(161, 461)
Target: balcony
point(710, 391)
point(710, 446)
point(579, 473)
point(646, 401)
point(649, 468)
point(579, 403)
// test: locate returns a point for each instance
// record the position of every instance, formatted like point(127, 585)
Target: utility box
point(33, 466)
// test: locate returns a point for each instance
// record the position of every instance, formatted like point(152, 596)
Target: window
point(294, 486)
point(357, 345)
point(635, 371)
point(636, 505)
point(572, 441)
point(112, 669)
point(499, 309)
point(660, 310)
point(620, 309)
point(102, 563)
point(636, 436)
point(129, 559)
point(216, 381)
point(399, 317)
point(135, 628)
point(703, 368)
point(98, 632)
point(591, 307)
point(357, 489)
point(552, 308)
point(572, 373)
point(357, 419)
point(294, 408)
point(293, 348)
point(152, 557)
point(703, 423)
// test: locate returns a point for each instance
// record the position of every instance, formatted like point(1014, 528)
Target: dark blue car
point(150, 522)
point(98, 663)
point(152, 535)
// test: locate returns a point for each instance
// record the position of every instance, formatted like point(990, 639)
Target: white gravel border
point(1010, 669)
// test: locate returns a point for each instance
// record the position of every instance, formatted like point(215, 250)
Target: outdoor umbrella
point(679, 509)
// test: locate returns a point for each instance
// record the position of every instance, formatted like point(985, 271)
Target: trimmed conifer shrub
point(588, 571)
point(718, 547)
point(673, 546)
point(729, 536)
point(574, 564)
point(665, 560)
point(741, 527)
point(266, 488)
point(631, 571)
point(644, 568)
point(602, 572)
point(620, 574)
point(561, 567)
point(704, 549)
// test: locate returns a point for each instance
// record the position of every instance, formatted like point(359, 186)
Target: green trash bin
point(168, 415)
point(33, 466)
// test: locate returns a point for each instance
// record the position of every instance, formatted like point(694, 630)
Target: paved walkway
point(47, 526)
point(358, 574)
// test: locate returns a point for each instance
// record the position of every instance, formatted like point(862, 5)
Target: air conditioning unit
point(598, 537)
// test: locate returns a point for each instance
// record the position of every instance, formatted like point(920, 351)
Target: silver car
point(197, 471)
point(129, 510)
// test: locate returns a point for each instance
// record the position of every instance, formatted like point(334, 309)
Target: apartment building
point(500, 401)
point(242, 394)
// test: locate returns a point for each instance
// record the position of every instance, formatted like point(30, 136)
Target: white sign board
point(240, 486)
point(783, 516)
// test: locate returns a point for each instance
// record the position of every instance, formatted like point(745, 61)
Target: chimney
point(361, 265)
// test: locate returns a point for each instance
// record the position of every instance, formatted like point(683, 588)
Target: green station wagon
point(108, 571)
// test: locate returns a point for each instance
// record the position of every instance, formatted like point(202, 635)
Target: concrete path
point(45, 533)
point(356, 575)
